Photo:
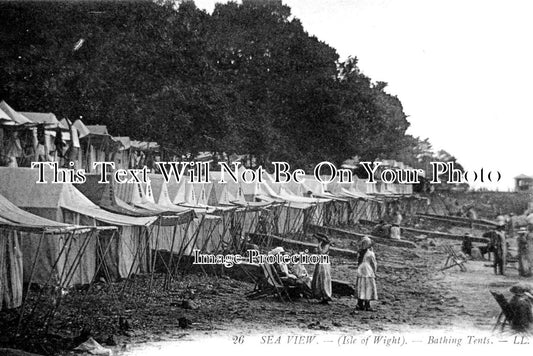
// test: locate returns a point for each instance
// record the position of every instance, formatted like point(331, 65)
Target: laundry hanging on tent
point(41, 134)
point(13, 149)
point(58, 142)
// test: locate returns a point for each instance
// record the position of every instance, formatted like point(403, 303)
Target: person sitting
point(381, 230)
point(302, 281)
point(466, 247)
point(281, 268)
point(520, 306)
point(285, 270)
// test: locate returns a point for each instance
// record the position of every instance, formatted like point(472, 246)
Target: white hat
point(276, 251)
point(365, 242)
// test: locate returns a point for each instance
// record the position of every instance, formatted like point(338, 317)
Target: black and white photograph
point(181, 177)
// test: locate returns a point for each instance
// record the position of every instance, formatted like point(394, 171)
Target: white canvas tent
point(37, 250)
point(96, 145)
point(10, 117)
point(10, 267)
point(140, 195)
point(249, 217)
point(208, 232)
point(233, 190)
point(126, 249)
point(177, 229)
point(289, 212)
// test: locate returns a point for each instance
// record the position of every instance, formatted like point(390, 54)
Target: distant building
point(523, 183)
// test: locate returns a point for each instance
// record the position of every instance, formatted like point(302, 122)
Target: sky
point(462, 69)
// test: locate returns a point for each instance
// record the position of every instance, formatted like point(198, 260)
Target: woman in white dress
point(365, 285)
point(321, 282)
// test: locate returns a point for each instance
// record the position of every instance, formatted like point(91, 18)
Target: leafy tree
point(247, 79)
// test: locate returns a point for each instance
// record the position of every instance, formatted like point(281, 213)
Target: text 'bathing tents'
point(37, 250)
point(125, 250)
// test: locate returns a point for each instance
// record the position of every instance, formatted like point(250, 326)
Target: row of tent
point(32, 136)
point(27, 137)
point(390, 163)
point(64, 234)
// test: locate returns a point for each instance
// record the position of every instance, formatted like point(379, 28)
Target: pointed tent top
point(200, 191)
point(234, 189)
point(144, 146)
point(15, 117)
point(148, 193)
point(82, 129)
point(181, 193)
point(271, 185)
point(164, 197)
point(210, 195)
point(97, 129)
point(12, 214)
point(124, 141)
point(48, 119)
point(19, 185)
point(158, 183)
point(143, 198)
point(103, 195)
point(295, 188)
point(235, 193)
point(219, 194)
point(4, 117)
point(99, 134)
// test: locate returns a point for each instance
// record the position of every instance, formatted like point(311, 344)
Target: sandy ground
point(451, 302)
point(413, 295)
point(413, 298)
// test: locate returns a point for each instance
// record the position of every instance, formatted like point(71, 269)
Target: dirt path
point(473, 291)
point(413, 296)
point(411, 300)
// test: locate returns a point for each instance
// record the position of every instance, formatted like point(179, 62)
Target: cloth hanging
point(58, 142)
point(40, 134)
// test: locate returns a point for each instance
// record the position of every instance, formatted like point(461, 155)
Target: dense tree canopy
point(247, 79)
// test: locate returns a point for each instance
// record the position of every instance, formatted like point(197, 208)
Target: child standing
point(365, 286)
